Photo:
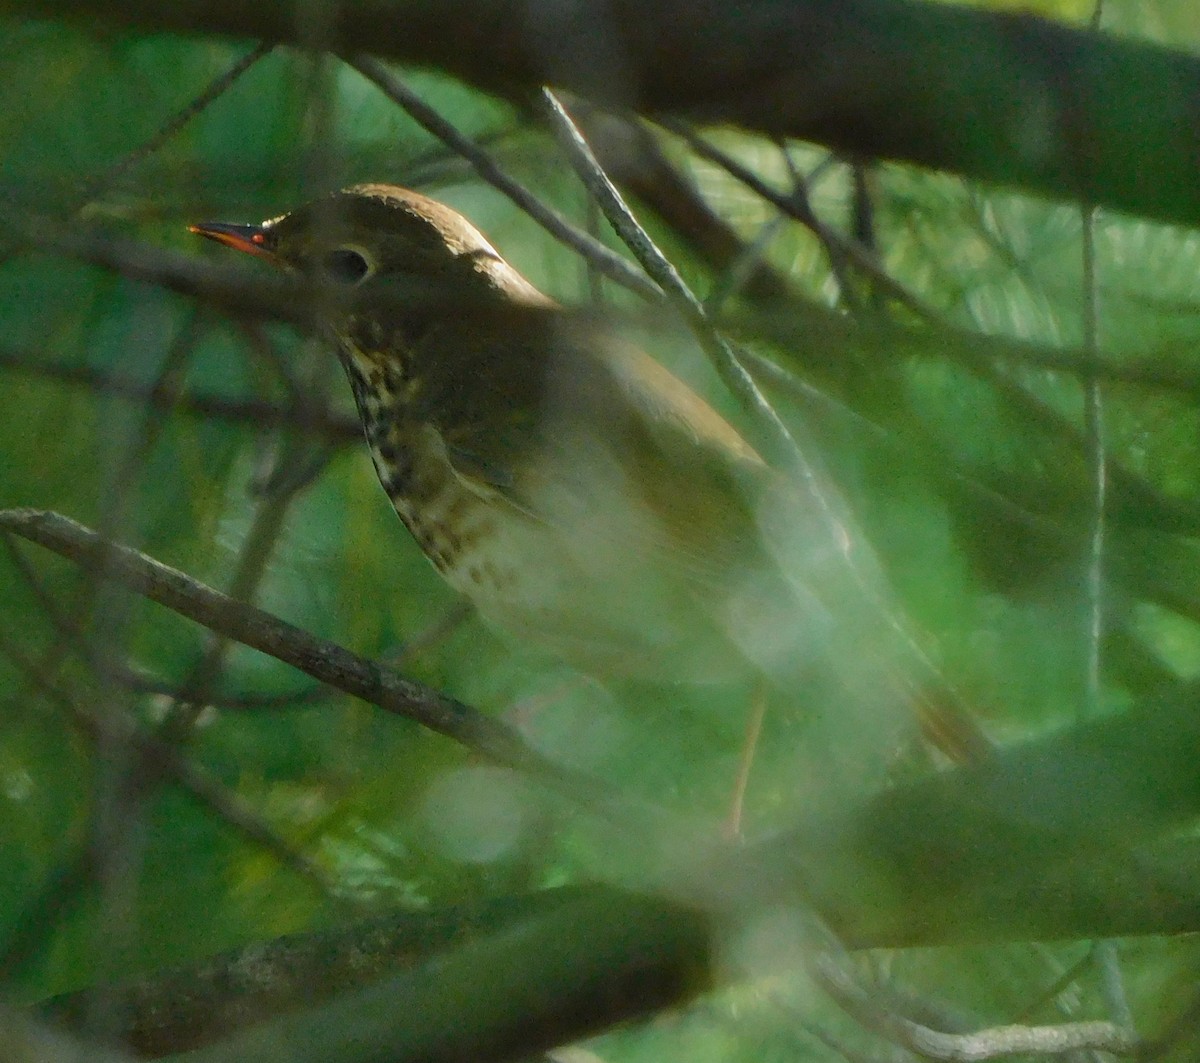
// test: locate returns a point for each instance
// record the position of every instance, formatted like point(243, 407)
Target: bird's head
point(380, 237)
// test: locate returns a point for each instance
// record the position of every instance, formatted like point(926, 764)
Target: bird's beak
point(253, 239)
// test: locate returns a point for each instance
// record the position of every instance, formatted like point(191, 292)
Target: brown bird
point(579, 494)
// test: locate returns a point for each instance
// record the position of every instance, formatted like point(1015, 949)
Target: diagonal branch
point(326, 661)
point(602, 258)
point(517, 977)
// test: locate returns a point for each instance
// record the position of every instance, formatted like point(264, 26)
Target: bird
point(584, 498)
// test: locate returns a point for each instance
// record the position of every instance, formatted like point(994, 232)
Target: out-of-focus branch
point(256, 414)
point(1038, 840)
point(820, 342)
point(1002, 97)
point(602, 258)
point(171, 127)
point(184, 1007)
point(662, 951)
point(1043, 836)
point(30, 1041)
point(839, 249)
point(156, 759)
point(239, 292)
point(521, 976)
point(820, 337)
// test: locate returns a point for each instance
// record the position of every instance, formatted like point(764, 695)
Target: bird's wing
point(597, 436)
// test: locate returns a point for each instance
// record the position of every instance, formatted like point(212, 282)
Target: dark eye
point(345, 266)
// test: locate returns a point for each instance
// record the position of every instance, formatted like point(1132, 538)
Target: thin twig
point(436, 633)
point(780, 445)
point(258, 414)
point(1056, 988)
point(157, 760)
point(124, 674)
point(251, 567)
point(93, 186)
point(1096, 460)
point(1104, 953)
point(126, 776)
point(796, 206)
point(749, 263)
point(605, 260)
point(198, 104)
point(992, 1043)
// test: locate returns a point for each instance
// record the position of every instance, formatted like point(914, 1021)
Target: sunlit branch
point(780, 446)
point(994, 1043)
point(631, 155)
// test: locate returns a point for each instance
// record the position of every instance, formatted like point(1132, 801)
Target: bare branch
point(631, 155)
point(323, 660)
point(993, 1043)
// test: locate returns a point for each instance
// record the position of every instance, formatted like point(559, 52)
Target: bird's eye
point(345, 265)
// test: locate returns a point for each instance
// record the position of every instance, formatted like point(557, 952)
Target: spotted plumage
point(444, 518)
point(580, 495)
point(575, 490)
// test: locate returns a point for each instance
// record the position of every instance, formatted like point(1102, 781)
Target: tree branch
point(253, 413)
point(1040, 840)
point(1001, 97)
point(185, 1007)
point(553, 969)
point(325, 661)
point(1055, 1040)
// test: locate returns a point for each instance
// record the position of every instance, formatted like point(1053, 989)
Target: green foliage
point(976, 501)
